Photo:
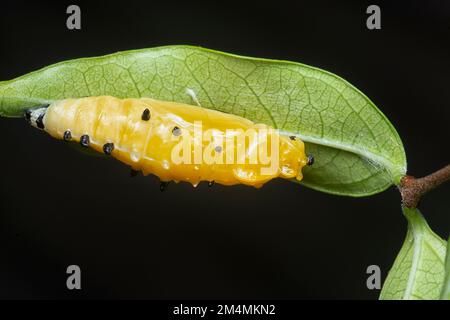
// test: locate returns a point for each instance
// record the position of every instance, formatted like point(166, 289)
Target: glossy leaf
point(418, 271)
point(357, 150)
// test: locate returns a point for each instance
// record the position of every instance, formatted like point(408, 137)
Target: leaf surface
point(418, 271)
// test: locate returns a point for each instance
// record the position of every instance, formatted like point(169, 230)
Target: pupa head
point(35, 117)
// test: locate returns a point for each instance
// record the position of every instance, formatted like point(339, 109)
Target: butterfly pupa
point(175, 141)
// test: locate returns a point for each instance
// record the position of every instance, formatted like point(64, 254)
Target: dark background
point(59, 207)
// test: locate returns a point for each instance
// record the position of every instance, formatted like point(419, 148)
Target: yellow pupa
point(175, 141)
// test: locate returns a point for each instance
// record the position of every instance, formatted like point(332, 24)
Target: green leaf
point(357, 150)
point(418, 271)
point(445, 294)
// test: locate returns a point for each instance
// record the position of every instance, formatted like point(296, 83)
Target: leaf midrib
point(418, 232)
point(396, 171)
point(417, 250)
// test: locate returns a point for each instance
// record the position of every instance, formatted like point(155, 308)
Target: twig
point(412, 189)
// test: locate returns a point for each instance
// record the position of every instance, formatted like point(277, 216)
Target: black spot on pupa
point(176, 131)
point(27, 115)
point(108, 148)
point(310, 160)
point(40, 122)
point(146, 115)
point(163, 185)
point(67, 136)
point(211, 183)
point(292, 138)
point(84, 140)
point(218, 149)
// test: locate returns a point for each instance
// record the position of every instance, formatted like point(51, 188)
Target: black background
point(59, 207)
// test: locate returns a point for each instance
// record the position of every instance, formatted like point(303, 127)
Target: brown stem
point(412, 189)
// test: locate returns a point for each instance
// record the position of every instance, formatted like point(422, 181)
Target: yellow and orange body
point(155, 137)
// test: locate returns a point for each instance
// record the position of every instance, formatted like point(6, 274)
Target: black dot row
point(85, 141)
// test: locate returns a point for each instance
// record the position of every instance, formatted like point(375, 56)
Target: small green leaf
point(418, 271)
point(445, 294)
point(357, 150)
